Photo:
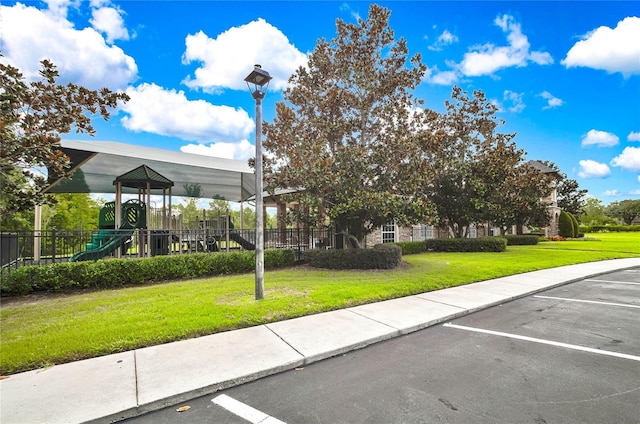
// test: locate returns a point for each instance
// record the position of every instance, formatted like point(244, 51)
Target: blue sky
point(565, 75)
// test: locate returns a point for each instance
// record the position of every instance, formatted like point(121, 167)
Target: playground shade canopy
point(96, 164)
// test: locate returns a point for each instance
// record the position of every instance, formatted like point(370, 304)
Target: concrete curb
point(115, 387)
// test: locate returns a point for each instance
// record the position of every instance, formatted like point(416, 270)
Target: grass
point(38, 331)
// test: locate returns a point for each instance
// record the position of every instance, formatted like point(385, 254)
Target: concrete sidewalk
point(122, 385)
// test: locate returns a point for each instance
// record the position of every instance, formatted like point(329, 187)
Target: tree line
point(363, 150)
point(350, 135)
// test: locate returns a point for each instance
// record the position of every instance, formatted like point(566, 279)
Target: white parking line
point(614, 282)
point(625, 305)
point(244, 411)
point(542, 341)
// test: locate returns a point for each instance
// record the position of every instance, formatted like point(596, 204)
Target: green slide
point(107, 240)
point(104, 244)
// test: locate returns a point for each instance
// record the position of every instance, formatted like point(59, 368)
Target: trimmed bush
point(113, 273)
point(382, 256)
point(411, 247)
point(481, 244)
point(521, 240)
point(609, 228)
point(565, 225)
point(576, 226)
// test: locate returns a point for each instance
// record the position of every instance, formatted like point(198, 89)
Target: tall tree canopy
point(33, 115)
point(346, 132)
point(593, 213)
point(626, 210)
point(571, 197)
point(480, 175)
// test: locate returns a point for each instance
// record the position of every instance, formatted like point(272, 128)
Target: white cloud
point(552, 101)
point(628, 160)
point(444, 40)
point(635, 192)
point(156, 110)
point(634, 136)
point(28, 35)
point(600, 139)
point(517, 105)
point(435, 76)
point(639, 178)
point(108, 20)
point(239, 151)
point(593, 169)
point(612, 193)
point(227, 59)
point(59, 8)
point(611, 50)
point(488, 58)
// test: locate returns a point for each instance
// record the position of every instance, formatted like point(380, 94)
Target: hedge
point(411, 247)
point(521, 240)
point(113, 273)
point(382, 256)
point(481, 244)
point(608, 228)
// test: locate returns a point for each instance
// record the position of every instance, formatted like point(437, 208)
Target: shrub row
point(521, 240)
point(608, 228)
point(113, 273)
point(411, 247)
point(481, 244)
point(382, 256)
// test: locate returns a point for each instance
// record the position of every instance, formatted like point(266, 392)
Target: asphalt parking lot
point(565, 355)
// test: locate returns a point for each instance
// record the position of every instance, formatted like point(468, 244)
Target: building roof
point(95, 165)
point(542, 167)
point(143, 176)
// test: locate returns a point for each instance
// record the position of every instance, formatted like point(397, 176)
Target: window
point(389, 233)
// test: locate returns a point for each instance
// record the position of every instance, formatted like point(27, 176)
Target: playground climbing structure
point(109, 239)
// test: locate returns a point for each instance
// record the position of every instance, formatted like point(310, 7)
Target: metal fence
point(21, 248)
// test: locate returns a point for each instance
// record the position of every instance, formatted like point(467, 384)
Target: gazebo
point(104, 167)
point(96, 164)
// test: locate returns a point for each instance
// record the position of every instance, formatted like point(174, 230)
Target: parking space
point(600, 313)
point(570, 355)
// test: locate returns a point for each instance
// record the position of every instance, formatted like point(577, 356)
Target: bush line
point(609, 228)
point(113, 273)
point(382, 256)
point(480, 244)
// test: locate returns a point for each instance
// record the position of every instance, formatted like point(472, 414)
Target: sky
point(564, 75)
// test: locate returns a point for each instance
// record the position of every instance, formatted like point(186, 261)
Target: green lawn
point(40, 331)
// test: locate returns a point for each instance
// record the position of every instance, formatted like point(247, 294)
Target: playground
point(140, 227)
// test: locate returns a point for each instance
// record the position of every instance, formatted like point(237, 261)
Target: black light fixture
point(259, 79)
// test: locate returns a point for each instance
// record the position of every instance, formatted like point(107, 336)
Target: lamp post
point(258, 82)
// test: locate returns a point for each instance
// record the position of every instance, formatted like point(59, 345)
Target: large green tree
point(346, 133)
point(519, 200)
point(72, 211)
point(480, 175)
point(626, 210)
point(593, 213)
point(571, 197)
point(33, 115)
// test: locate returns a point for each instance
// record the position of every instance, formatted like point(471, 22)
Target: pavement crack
point(135, 374)
point(448, 404)
point(285, 342)
point(594, 399)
